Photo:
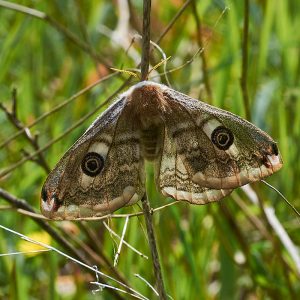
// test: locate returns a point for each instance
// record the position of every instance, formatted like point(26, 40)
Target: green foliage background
point(227, 250)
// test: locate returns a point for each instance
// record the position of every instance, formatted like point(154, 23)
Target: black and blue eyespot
point(222, 137)
point(92, 164)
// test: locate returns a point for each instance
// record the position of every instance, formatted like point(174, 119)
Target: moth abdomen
point(151, 138)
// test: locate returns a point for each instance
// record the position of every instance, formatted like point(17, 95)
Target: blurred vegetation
point(227, 250)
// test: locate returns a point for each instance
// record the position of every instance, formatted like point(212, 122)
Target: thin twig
point(244, 85)
point(121, 242)
point(146, 40)
point(32, 139)
point(153, 248)
point(145, 202)
point(108, 216)
point(172, 22)
point(125, 243)
point(148, 283)
point(199, 50)
point(283, 197)
point(24, 252)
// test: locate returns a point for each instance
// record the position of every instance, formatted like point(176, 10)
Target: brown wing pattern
point(113, 142)
point(174, 180)
point(218, 149)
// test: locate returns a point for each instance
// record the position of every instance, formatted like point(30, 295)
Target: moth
point(200, 154)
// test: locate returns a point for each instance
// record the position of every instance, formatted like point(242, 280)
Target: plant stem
point(154, 253)
point(145, 202)
point(146, 40)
